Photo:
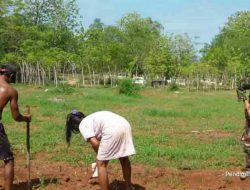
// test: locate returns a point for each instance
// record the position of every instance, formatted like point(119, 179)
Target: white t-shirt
point(112, 130)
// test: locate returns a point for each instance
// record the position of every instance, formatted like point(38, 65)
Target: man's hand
point(27, 118)
point(241, 94)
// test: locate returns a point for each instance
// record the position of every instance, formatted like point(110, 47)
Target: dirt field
point(61, 176)
point(210, 125)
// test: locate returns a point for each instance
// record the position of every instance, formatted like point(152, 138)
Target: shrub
point(173, 87)
point(63, 89)
point(127, 87)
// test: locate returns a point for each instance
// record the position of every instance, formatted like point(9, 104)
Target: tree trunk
point(30, 73)
point(34, 71)
point(93, 73)
point(26, 71)
point(197, 82)
point(83, 80)
point(43, 74)
point(104, 80)
point(90, 76)
point(98, 80)
point(63, 73)
point(215, 84)
point(49, 75)
point(110, 75)
point(55, 76)
point(38, 74)
point(22, 72)
point(72, 70)
point(235, 78)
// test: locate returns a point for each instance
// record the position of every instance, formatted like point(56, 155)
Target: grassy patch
point(162, 123)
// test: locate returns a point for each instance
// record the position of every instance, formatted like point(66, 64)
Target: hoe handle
point(28, 146)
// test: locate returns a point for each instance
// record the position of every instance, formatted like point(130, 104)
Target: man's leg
point(245, 170)
point(8, 174)
point(103, 174)
point(248, 162)
point(126, 170)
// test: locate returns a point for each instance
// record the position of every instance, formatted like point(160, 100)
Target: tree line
point(47, 41)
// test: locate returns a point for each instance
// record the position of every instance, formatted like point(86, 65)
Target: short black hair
point(73, 121)
point(9, 70)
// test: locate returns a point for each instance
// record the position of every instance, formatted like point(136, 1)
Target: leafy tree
point(182, 51)
point(229, 48)
point(140, 35)
point(158, 63)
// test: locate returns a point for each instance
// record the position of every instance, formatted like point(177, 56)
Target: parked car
point(139, 80)
point(158, 82)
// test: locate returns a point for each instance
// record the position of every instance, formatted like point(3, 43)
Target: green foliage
point(182, 53)
point(140, 37)
point(63, 90)
point(127, 87)
point(48, 34)
point(173, 87)
point(47, 37)
point(229, 50)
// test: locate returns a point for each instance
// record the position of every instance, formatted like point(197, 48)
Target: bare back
point(8, 93)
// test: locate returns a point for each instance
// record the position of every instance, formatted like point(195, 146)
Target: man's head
point(8, 70)
point(73, 121)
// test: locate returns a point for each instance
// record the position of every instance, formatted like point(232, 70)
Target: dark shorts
point(5, 148)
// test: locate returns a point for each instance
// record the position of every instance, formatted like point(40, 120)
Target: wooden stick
point(28, 146)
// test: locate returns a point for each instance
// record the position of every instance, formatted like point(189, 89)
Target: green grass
point(162, 123)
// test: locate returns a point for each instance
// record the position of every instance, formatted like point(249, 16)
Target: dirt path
point(62, 176)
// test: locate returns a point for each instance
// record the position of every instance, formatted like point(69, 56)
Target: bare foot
point(93, 181)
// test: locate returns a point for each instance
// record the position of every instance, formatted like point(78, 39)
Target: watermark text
point(237, 174)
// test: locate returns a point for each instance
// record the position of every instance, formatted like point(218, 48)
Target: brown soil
point(62, 176)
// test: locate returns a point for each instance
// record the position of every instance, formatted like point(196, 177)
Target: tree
point(182, 51)
point(230, 44)
point(140, 34)
point(158, 63)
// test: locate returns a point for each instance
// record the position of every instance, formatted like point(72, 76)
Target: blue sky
point(201, 18)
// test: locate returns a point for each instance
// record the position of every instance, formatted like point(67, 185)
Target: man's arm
point(94, 143)
point(17, 116)
point(241, 93)
point(247, 106)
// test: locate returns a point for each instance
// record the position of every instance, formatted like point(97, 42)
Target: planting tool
point(28, 146)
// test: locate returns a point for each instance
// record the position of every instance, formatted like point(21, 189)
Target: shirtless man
point(8, 94)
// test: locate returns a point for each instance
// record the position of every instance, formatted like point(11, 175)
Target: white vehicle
point(139, 80)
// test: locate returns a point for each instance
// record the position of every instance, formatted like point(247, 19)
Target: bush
point(127, 87)
point(173, 87)
point(63, 89)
